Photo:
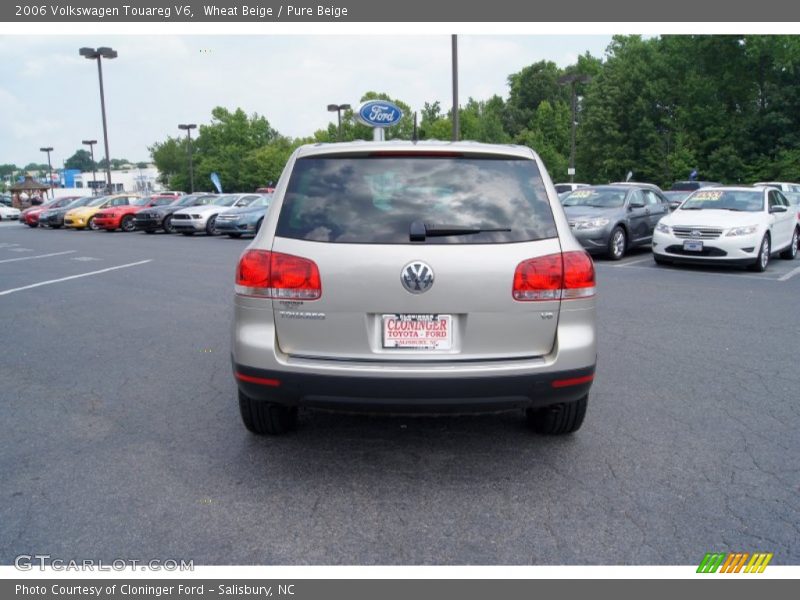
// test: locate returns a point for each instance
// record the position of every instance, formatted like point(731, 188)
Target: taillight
point(276, 275)
point(554, 277)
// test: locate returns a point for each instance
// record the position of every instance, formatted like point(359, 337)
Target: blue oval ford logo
point(379, 113)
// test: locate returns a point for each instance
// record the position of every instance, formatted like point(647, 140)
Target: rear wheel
point(617, 243)
point(558, 419)
point(791, 251)
point(763, 256)
point(167, 225)
point(127, 223)
point(266, 417)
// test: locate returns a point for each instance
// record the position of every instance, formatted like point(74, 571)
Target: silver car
point(414, 277)
point(199, 218)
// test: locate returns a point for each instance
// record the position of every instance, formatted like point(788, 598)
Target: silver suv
point(414, 277)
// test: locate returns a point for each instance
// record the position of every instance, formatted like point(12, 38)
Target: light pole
point(571, 80)
point(99, 54)
point(49, 149)
point(338, 108)
point(188, 127)
point(456, 124)
point(91, 144)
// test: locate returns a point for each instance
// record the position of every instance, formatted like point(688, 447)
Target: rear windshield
point(376, 199)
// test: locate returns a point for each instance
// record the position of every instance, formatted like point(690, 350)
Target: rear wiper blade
point(419, 230)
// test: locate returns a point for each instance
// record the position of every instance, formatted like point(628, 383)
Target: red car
point(30, 216)
point(121, 217)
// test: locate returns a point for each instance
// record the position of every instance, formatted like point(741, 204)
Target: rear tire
point(558, 419)
point(617, 244)
point(791, 251)
point(127, 225)
point(262, 417)
point(762, 260)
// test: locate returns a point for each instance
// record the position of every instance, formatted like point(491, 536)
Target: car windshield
point(596, 198)
point(261, 201)
point(225, 200)
point(736, 200)
point(80, 202)
point(98, 201)
point(380, 199)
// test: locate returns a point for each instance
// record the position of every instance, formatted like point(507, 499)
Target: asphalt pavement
point(120, 434)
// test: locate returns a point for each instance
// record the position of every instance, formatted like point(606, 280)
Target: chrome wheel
point(617, 244)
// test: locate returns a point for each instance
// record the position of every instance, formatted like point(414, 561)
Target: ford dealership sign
point(379, 113)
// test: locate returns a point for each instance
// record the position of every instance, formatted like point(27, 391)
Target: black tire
point(149, 230)
point(234, 235)
point(126, 224)
point(791, 251)
point(187, 232)
point(266, 417)
point(211, 225)
point(617, 244)
point(90, 224)
point(558, 419)
point(167, 224)
point(762, 260)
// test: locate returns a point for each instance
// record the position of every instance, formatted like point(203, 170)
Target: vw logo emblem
point(696, 233)
point(417, 277)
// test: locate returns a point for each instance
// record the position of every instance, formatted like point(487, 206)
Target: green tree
point(81, 160)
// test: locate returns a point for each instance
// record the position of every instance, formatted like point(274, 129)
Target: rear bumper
point(428, 395)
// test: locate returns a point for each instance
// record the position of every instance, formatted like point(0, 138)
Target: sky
point(49, 95)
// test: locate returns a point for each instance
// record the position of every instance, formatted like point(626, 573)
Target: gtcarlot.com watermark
point(43, 562)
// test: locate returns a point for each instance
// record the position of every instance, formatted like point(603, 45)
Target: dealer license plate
point(418, 332)
point(693, 245)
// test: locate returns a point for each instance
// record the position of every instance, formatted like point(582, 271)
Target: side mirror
point(777, 209)
point(633, 205)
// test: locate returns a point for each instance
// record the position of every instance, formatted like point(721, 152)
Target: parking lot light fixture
point(338, 108)
point(571, 80)
point(91, 144)
point(98, 54)
point(188, 127)
point(49, 149)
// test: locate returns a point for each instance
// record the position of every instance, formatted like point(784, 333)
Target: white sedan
point(7, 213)
point(729, 225)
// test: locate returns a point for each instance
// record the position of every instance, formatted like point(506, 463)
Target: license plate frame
point(693, 245)
point(420, 332)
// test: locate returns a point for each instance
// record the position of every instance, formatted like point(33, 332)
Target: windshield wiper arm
point(419, 230)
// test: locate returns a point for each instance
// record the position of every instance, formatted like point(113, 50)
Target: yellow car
point(83, 217)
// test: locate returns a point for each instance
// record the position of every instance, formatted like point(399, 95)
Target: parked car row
point(168, 212)
point(735, 225)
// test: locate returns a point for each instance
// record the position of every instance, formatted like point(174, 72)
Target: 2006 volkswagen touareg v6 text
point(414, 277)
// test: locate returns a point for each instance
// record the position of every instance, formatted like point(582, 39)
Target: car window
point(773, 199)
point(650, 198)
point(635, 198)
point(359, 199)
point(715, 199)
point(782, 199)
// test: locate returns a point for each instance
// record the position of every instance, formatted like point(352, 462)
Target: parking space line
point(35, 285)
point(790, 274)
point(40, 256)
point(707, 273)
point(634, 262)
